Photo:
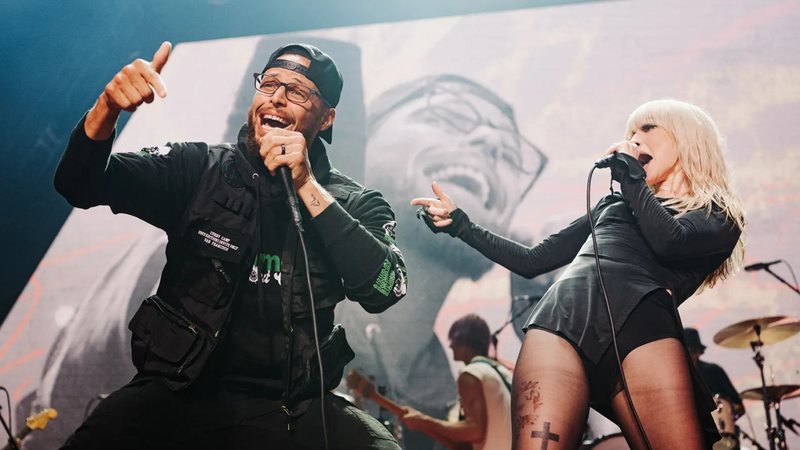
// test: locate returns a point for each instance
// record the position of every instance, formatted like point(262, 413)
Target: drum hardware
point(775, 393)
point(775, 435)
point(755, 443)
point(766, 330)
point(755, 333)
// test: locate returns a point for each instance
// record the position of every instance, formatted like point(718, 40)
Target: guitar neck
point(387, 404)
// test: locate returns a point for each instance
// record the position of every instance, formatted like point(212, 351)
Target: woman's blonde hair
point(700, 155)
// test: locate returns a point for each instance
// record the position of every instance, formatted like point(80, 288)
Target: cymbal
point(773, 329)
point(774, 393)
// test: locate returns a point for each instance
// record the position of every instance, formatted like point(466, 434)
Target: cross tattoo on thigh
point(545, 435)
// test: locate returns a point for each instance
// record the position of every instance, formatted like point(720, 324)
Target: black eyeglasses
point(295, 92)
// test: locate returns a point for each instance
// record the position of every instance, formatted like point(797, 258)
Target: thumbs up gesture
point(138, 82)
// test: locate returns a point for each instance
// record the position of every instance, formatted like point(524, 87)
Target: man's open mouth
point(274, 121)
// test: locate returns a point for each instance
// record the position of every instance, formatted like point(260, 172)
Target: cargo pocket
point(210, 287)
point(164, 342)
point(214, 257)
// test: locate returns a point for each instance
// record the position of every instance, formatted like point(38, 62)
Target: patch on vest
point(217, 242)
point(155, 151)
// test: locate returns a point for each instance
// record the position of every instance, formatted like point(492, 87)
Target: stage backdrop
point(507, 111)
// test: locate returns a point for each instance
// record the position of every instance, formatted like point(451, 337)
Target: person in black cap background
point(224, 351)
point(713, 375)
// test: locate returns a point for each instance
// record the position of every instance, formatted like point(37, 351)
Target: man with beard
point(456, 131)
point(225, 351)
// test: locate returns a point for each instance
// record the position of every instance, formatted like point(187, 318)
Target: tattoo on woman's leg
point(545, 435)
point(530, 397)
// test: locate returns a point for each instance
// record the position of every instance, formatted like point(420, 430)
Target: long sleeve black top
point(642, 246)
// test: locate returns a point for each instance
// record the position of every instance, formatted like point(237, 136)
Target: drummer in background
point(714, 375)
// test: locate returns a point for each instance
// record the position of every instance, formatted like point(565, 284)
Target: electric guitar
point(37, 421)
point(366, 389)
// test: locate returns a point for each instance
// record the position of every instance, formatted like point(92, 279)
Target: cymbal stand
point(774, 435)
point(781, 436)
point(750, 438)
point(791, 424)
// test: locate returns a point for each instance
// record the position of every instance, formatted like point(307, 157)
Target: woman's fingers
point(446, 201)
point(443, 223)
point(435, 211)
point(422, 201)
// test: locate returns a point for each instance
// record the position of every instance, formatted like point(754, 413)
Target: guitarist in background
point(484, 389)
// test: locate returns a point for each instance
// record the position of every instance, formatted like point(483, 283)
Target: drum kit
point(754, 334)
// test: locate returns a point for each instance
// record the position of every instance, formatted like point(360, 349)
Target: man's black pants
point(145, 414)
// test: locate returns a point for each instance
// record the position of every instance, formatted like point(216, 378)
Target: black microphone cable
point(628, 399)
point(294, 210)
point(316, 342)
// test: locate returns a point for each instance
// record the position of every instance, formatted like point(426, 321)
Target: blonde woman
point(673, 229)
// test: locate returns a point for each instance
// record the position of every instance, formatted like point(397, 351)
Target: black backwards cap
point(322, 71)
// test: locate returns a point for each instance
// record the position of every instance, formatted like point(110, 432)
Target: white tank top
point(498, 403)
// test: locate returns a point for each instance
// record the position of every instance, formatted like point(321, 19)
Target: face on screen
point(455, 134)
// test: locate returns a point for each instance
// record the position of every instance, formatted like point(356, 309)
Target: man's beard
point(250, 141)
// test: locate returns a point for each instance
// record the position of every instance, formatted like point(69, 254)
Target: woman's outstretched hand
point(439, 208)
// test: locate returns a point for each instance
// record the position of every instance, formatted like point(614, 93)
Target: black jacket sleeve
point(694, 234)
point(154, 185)
point(361, 244)
point(555, 251)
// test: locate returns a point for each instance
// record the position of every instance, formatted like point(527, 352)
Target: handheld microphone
point(605, 161)
point(291, 197)
point(761, 265)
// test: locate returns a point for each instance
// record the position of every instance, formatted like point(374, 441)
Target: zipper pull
point(220, 269)
point(288, 418)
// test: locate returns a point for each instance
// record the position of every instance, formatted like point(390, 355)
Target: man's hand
point(137, 83)
point(281, 147)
